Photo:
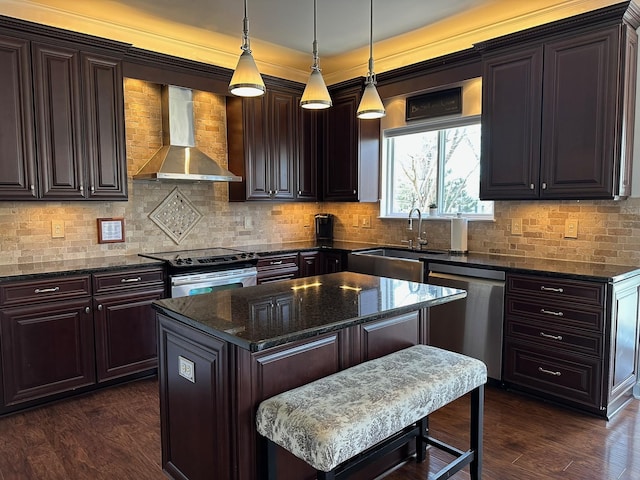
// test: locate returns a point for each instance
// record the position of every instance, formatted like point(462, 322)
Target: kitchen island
point(221, 354)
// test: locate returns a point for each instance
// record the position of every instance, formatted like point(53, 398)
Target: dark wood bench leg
point(325, 475)
point(476, 431)
point(421, 442)
point(270, 449)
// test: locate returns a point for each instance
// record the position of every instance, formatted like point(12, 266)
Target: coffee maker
point(324, 226)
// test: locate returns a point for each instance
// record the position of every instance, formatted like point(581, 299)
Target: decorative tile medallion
point(176, 216)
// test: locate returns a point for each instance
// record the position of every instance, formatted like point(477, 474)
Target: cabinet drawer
point(277, 267)
point(556, 337)
point(34, 291)
point(547, 371)
point(590, 293)
point(554, 314)
point(127, 279)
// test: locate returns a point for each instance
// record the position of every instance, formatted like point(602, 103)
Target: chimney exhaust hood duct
point(179, 159)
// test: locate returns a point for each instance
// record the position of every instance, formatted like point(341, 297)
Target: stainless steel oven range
point(193, 272)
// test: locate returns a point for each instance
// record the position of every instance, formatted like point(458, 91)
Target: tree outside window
point(434, 166)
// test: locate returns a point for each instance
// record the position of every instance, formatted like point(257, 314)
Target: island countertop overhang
point(268, 315)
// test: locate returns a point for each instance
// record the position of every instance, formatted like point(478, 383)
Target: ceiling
point(281, 31)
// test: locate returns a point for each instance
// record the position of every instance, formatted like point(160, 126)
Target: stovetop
point(205, 257)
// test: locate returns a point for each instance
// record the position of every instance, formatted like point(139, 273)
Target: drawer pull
point(550, 312)
point(551, 289)
point(279, 262)
point(552, 337)
point(46, 290)
point(549, 372)
point(130, 280)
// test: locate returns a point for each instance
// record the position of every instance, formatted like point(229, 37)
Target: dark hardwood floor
point(115, 434)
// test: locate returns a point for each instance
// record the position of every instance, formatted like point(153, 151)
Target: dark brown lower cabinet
point(208, 424)
point(56, 339)
point(572, 341)
point(126, 333)
point(321, 262)
point(47, 349)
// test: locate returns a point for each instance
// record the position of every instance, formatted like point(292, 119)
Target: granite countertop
point(304, 307)
point(598, 272)
point(24, 271)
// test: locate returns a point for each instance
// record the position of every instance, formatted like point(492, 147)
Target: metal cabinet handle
point(46, 290)
point(299, 192)
point(93, 189)
point(279, 262)
point(81, 189)
point(551, 312)
point(100, 307)
point(551, 289)
point(130, 280)
point(32, 187)
point(552, 337)
point(354, 192)
point(87, 310)
point(532, 186)
point(544, 186)
point(549, 372)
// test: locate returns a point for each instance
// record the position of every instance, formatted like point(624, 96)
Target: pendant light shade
point(370, 105)
point(246, 80)
point(315, 95)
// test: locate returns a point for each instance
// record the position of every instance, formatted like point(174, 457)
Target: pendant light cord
point(315, 65)
point(371, 77)
point(245, 30)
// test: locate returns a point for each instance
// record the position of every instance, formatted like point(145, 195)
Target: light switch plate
point(571, 228)
point(516, 226)
point(57, 228)
point(365, 220)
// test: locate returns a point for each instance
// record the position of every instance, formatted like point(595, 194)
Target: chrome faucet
point(421, 241)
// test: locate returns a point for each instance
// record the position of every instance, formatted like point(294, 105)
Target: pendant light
point(246, 80)
point(370, 105)
point(315, 95)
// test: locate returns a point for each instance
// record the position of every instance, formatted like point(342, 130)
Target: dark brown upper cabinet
point(350, 166)
point(558, 112)
point(271, 146)
point(63, 132)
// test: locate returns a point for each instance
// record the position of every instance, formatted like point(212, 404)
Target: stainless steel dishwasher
point(472, 326)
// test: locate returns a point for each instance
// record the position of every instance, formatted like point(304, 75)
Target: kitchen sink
point(391, 262)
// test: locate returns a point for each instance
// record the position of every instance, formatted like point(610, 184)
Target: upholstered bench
point(339, 423)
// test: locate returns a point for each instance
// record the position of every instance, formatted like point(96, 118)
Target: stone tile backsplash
point(608, 231)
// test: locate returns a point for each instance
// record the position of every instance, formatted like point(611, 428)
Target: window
point(435, 163)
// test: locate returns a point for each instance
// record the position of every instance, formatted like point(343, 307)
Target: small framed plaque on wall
point(434, 104)
point(110, 230)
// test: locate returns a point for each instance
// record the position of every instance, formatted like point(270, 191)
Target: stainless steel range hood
point(179, 159)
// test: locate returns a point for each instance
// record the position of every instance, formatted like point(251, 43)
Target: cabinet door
point(17, 138)
point(57, 105)
point(511, 111)
point(104, 127)
point(340, 162)
point(579, 122)
point(310, 264)
point(389, 335)
point(255, 136)
point(125, 333)
point(46, 349)
point(307, 166)
point(282, 144)
point(333, 262)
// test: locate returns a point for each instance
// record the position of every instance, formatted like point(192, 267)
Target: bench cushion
point(332, 419)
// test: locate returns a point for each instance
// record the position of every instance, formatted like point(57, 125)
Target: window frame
point(386, 181)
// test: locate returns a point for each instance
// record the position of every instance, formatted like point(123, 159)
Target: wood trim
point(612, 15)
